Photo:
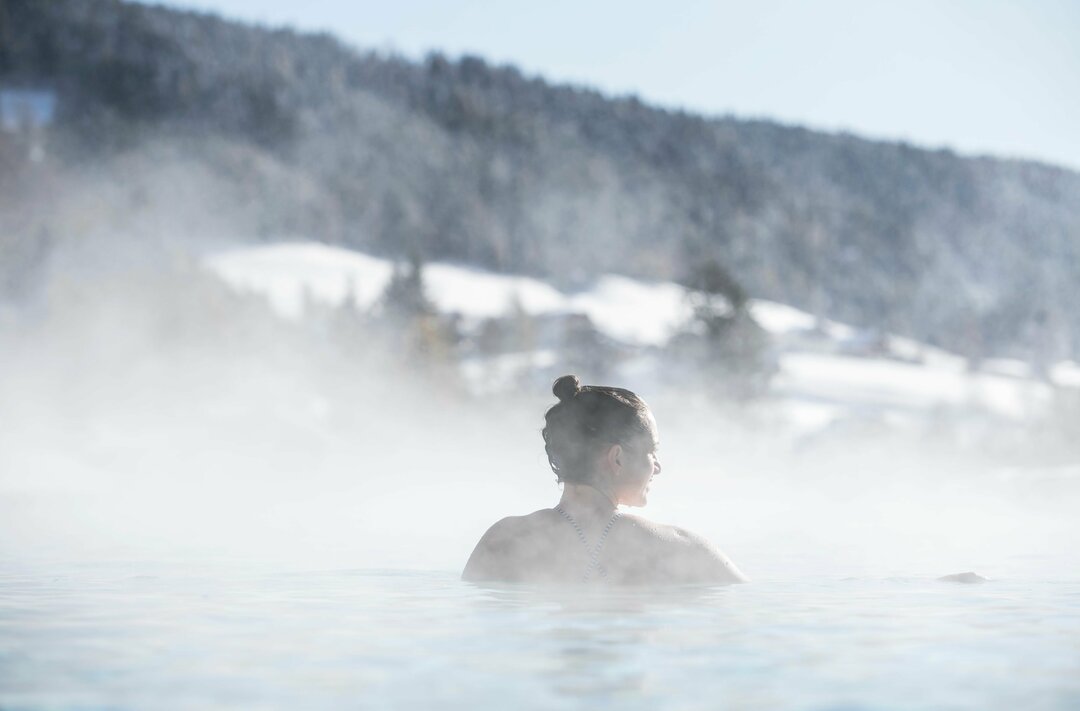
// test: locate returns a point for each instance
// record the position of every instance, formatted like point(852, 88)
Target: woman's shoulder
point(513, 527)
point(508, 546)
point(684, 554)
point(661, 531)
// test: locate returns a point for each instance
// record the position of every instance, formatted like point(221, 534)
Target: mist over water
point(149, 413)
point(215, 519)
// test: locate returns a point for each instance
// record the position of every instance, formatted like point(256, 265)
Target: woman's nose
point(656, 467)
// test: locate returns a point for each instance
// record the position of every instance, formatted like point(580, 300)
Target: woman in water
point(601, 444)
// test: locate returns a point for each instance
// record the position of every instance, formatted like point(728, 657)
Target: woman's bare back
point(545, 547)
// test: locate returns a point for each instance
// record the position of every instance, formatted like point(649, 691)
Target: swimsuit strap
point(594, 552)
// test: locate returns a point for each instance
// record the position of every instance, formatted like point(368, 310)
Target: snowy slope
point(631, 311)
point(627, 310)
point(817, 384)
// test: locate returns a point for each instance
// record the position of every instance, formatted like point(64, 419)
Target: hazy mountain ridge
point(468, 162)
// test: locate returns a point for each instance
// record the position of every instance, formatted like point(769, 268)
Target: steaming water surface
point(140, 636)
point(119, 445)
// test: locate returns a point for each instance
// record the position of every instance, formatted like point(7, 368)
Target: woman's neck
point(586, 498)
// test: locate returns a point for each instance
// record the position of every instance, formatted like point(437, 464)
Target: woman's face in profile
point(640, 465)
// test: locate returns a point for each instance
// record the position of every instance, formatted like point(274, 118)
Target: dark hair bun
point(586, 419)
point(566, 387)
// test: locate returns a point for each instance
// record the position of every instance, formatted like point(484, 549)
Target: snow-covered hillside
point(288, 273)
point(827, 371)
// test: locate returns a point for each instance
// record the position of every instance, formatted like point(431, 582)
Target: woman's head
point(601, 436)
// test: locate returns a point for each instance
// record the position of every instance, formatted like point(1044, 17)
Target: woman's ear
point(614, 459)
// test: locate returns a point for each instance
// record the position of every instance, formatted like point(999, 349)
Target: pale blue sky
point(979, 76)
